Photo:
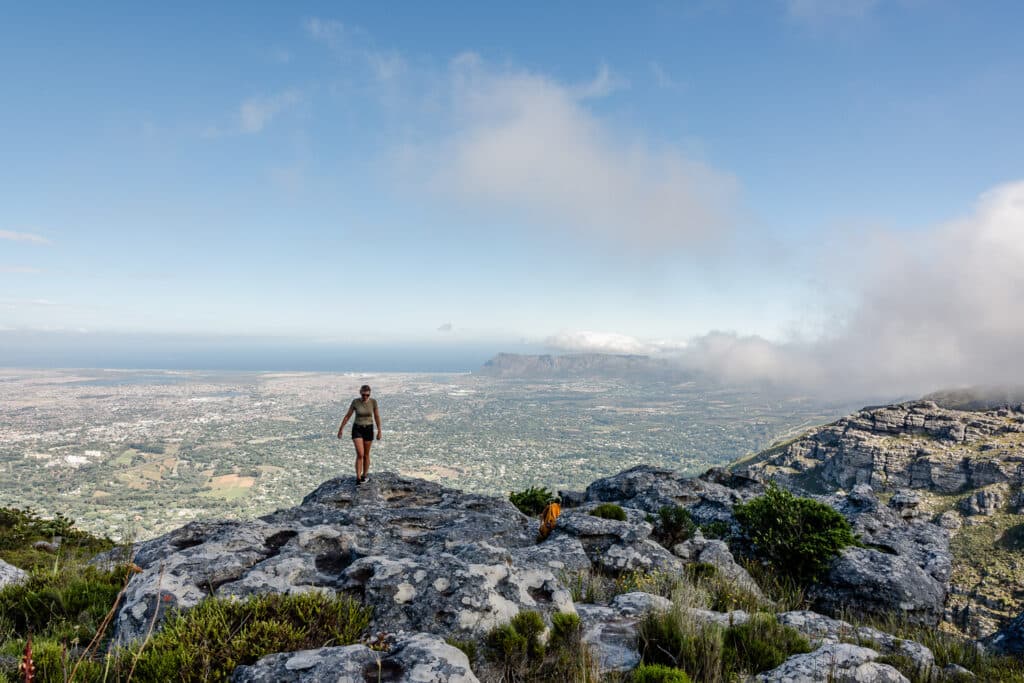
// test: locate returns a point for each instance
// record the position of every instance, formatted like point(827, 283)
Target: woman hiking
point(365, 409)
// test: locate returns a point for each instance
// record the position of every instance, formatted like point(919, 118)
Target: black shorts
point(364, 432)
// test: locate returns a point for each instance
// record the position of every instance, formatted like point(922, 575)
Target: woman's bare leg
point(366, 457)
point(358, 443)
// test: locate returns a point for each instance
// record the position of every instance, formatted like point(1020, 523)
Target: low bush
point(715, 654)
point(207, 642)
point(762, 643)
point(673, 525)
point(609, 511)
point(799, 537)
point(532, 501)
point(718, 529)
point(519, 654)
point(20, 528)
point(658, 673)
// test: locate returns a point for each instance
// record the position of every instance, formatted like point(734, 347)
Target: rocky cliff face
point(961, 469)
point(437, 563)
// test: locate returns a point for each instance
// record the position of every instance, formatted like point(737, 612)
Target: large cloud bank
point(935, 309)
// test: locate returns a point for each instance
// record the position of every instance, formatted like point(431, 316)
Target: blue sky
point(576, 175)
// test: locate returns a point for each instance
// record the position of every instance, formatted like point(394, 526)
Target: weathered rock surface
point(870, 582)
point(834, 663)
point(427, 558)
point(709, 497)
point(1010, 639)
point(9, 574)
point(717, 554)
point(915, 445)
point(417, 658)
point(612, 630)
point(986, 501)
point(615, 546)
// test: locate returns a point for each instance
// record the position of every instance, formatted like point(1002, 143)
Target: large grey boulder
point(822, 630)
point(416, 658)
point(868, 582)
point(834, 663)
point(615, 546)
point(426, 557)
point(709, 497)
point(9, 574)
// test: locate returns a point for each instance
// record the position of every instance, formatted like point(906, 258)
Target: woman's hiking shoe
point(365, 478)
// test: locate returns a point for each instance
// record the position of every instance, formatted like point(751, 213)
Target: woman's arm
point(344, 420)
point(376, 418)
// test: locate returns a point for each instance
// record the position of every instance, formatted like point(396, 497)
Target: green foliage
point(762, 643)
point(696, 571)
point(468, 647)
point(719, 529)
point(658, 673)
point(208, 641)
point(20, 528)
point(609, 511)
point(532, 501)
point(519, 653)
point(63, 604)
point(708, 652)
point(673, 525)
point(799, 537)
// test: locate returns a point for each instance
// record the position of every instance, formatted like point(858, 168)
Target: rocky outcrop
point(915, 445)
point(835, 663)
point(717, 554)
point(1009, 640)
point(425, 557)
point(417, 658)
point(611, 631)
point(9, 574)
point(709, 497)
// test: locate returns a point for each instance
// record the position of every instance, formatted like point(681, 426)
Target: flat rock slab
point(418, 658)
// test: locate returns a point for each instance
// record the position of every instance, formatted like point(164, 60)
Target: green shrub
point(658, 673)
point(711, 653)
point(609, 511)
point(799, 537)
point(719, 529)
point(468, 647)
point(20, 528)
point(668, 639)
point(66, 604)
point(532, 501)
point(207, 642)
point(518, 652)
point(762, 643)
point(673, 525)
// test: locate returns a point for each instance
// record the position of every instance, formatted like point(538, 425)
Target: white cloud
point(255, 113)
point(933, 310)
point(353, 43)
point(526, 144)
point(603, 84)
point(445, 327)
point(23, 237)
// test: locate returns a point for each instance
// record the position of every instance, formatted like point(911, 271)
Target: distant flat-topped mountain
point(977, 398)
point(514, 365)
point(963, 469)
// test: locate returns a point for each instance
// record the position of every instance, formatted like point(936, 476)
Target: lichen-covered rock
point(616, 546)
point(426, 557)
point(986, 501)
point(717, 554)
point(416, 658)
point(822, 630)
point(834, 663)
point(709, 497)
point(611, 632)
point(869, 582)
point(9, 574)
